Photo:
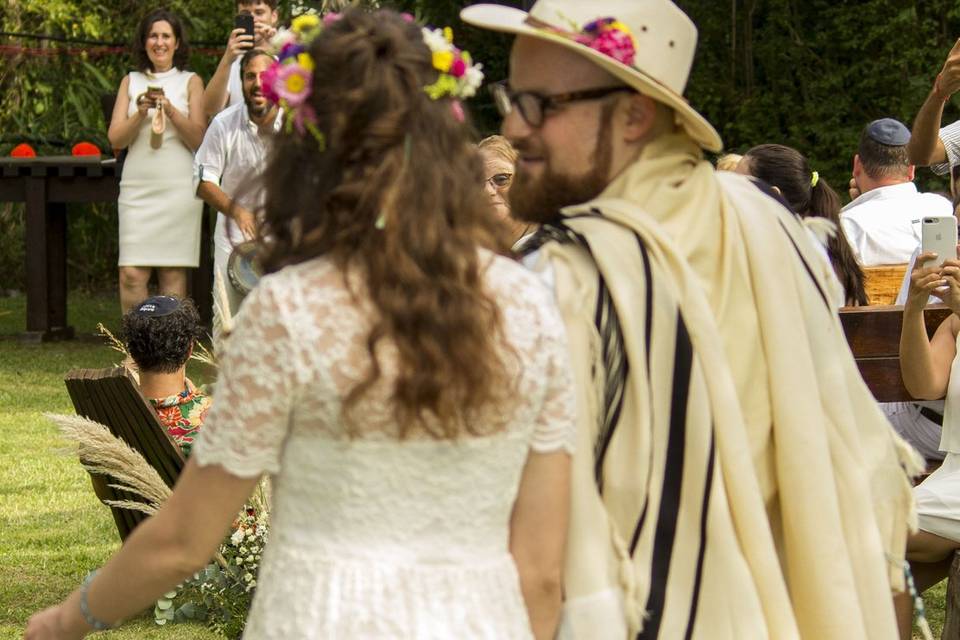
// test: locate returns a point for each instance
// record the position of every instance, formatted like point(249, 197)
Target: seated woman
point(931, 370)
point(159, 334)
point(499, 158)
point(809, 196)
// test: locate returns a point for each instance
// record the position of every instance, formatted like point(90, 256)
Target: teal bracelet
point(93, 621)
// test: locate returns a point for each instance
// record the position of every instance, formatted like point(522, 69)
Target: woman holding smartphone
point(158, 117)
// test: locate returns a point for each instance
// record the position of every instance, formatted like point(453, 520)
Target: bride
point(405, 386)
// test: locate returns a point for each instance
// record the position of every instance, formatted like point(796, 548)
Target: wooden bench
point(112, 398)
point(873, 334)
point(883, 282)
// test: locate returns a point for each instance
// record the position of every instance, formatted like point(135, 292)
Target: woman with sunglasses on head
point(405, 385)
point(499, 158)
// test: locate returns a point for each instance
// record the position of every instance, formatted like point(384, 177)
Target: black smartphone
point(244, 20)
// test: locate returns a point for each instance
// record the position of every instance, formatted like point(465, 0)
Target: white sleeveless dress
point(160, 214)
point(375, 537)
point(938, 496)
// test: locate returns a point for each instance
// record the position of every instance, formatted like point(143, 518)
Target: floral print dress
point(182, 414)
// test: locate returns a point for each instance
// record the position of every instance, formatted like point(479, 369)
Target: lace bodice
point(358, 523)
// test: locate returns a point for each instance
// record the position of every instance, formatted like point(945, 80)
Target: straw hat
point(660, 43)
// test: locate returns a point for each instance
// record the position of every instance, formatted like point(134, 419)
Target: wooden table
point(47, 185)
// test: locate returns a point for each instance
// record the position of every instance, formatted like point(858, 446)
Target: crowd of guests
point(615, 386)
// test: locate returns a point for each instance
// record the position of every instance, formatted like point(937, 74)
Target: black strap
point(931, 415)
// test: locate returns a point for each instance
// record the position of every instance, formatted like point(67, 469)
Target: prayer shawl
point(684, 522)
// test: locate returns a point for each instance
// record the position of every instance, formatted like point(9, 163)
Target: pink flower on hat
point(610, 37)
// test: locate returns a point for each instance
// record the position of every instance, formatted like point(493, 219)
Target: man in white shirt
point(224, 88)
point(883, 222)
point(229, 160)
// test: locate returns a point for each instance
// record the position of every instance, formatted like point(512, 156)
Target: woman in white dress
point(159, 212)
point(931, 371)
point(406, 387)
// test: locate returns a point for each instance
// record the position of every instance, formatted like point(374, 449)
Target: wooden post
point(951, 622)
point(46, 263)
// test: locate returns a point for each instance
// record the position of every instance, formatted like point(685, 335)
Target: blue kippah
point(888, 131)
point(158, 306)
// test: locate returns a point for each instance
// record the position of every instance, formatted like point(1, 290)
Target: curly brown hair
point(396, 194)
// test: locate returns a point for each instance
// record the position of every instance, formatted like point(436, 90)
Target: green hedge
point(809, 75)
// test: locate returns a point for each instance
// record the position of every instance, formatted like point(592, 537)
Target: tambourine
point(243, 268)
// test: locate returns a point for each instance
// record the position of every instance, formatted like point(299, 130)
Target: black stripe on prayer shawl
point(698, 579)
point(672, 484)
point(648, 334)
point(806, 266)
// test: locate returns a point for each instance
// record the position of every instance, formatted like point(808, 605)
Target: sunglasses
point(533, 107)
point(500, 180)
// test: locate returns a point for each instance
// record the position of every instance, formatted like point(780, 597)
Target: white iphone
point(939, 235)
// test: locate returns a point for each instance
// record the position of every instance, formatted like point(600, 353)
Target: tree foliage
point(806, 74)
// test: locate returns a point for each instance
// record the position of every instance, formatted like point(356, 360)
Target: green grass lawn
point(53, 528)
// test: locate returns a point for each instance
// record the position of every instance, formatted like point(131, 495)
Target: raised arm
point(123, 128)
point(216, 94)
point(925, 147)
point(925, 363)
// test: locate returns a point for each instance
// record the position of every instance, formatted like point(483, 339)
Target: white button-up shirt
point(231, 155)
point(883, 224)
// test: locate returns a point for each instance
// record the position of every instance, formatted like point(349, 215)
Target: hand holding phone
point(939, 236)
point(244, 20)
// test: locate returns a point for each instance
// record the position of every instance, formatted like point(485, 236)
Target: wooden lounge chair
point(883, 282)
point(112, 398)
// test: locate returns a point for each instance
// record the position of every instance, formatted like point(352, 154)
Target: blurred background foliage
point(808, 74)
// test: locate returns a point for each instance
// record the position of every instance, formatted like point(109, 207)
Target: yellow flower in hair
point(448, 34)
point(442, 60)
point(306, 22)
point(295, 83)
point(305, 61)
point(445, 84)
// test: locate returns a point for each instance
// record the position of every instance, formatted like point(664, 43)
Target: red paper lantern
point(23, 150)
point(85, 149)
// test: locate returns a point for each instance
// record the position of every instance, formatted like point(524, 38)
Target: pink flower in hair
point(330, 18)
point(458, 68)
point(407, 17)
point(268, 79)
point(293, 84)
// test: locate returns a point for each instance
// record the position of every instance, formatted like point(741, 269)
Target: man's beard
point(256, 112)
point(539, 200)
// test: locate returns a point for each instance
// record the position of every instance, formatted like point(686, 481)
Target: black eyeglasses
point(533, 106)
point(500, 180)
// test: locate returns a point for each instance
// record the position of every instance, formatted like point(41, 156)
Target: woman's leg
point(930, 557)
point(133, 286)
point(173, 281)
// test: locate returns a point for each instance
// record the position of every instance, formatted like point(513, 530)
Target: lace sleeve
point(248, 422)
point(555, 426)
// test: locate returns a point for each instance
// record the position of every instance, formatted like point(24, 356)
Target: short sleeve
point(210, 159)
point(555, 425)
point(950, 137)
point(248, 423)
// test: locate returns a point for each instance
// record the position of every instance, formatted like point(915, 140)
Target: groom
point(733, 476)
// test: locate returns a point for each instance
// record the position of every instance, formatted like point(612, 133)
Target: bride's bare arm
point(162, 552)
point(538, 536)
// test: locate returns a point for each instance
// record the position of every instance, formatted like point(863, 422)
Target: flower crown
point(288, 82)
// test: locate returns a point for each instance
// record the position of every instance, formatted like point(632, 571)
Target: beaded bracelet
point(93, 621)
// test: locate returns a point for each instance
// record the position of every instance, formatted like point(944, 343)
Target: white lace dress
point(374, 537)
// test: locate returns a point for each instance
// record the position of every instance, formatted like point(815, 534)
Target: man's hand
point(238, 44)
point(264, 33)
point(948, 81)
point(924, 281)
point(853, 189)
point(245, 221)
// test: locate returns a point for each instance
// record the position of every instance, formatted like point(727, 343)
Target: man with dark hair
point(233, 153)
point(224, 89)
point(159, 334)
point(883, 222)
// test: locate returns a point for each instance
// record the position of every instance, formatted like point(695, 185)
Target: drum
point(243, 269)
